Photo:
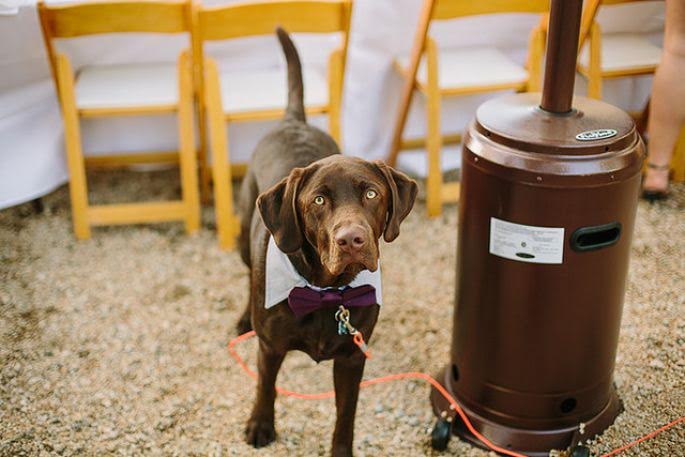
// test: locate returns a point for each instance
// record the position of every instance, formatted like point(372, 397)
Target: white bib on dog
point(282, 277)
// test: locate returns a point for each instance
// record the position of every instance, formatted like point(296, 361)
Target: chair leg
point(78, 188)
point(594, 86)
point(594, 89)
point(226, 220)
point(205, 173)
point(678, 160)
point(536, 50)
point(188, 160)
point(433, 137)
point(417, 50)
point(197, 60)
point(335, 78)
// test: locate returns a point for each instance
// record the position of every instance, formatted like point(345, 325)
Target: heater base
point(533, 443)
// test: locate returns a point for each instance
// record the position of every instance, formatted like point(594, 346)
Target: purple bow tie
point(304, 300)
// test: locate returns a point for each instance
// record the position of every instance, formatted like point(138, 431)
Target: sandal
point(652, 195)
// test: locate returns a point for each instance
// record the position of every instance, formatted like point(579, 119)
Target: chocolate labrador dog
point(313, 240)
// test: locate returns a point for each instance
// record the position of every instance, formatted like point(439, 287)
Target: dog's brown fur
point(290, 168)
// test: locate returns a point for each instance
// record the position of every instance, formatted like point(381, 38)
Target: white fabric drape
point(31, 141)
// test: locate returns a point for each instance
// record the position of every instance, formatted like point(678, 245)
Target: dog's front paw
point(259, 432)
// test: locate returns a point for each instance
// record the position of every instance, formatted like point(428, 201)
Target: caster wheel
point(580, 451)
point(38, 205)
point(440, 435)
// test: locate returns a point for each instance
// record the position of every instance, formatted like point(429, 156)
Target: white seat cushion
point(622, 51)
point(115, 86)
point(260, 90)
point(471, 67)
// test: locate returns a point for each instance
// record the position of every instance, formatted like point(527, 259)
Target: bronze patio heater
point(549, 191)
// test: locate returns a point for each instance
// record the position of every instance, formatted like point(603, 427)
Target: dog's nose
point(350, 238)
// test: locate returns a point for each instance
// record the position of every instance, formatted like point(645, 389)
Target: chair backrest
point(590, 10)
point(69, 20)
point(261, 18)
point(240, 20)
point(119, 16)
point(452, 9)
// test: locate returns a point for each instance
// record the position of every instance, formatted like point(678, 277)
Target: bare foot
point(656, 179)
point(655, 183)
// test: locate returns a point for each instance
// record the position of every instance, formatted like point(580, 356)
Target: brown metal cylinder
point(546, 218)
point(562, 51)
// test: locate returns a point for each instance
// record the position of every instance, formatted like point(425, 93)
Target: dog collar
point(282, 278)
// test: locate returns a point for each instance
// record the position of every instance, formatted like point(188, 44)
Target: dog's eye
point(319, 200)
point(371, 194)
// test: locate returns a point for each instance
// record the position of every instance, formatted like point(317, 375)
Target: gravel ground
point(117, 345)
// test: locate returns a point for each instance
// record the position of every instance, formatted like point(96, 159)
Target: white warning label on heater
point(526, 243)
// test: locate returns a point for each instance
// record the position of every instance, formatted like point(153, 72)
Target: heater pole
point(562, 52)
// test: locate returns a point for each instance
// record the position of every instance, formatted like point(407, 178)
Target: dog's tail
point(295, 109)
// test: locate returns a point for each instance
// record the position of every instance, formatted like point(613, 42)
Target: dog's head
point(340, 206)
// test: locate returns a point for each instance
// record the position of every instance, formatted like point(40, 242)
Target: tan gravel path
point(117, 345)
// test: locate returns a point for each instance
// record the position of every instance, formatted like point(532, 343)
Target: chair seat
point(471, 67)
point(119, 86)
point(263, 90)
point(623, 51)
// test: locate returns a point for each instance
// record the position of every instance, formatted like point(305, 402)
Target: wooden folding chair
point(612, 55)
point(124, 90)
point(438, 73)
point(224, 97)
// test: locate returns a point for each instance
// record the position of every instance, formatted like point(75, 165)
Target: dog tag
point(342, 316)
point(342, 330)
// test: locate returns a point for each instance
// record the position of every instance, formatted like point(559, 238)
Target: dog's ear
point(403, 192)
point(278, 209)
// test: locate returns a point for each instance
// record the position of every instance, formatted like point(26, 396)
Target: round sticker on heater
point(526, 243)
point(594, 135)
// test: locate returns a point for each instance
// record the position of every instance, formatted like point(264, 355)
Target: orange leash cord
point(646, 437)
point(432, 382)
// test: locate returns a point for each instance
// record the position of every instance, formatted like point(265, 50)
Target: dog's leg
point(260, 429)
point(248, 196)
point(246, 204)
point(347, 374)
point(244, 324)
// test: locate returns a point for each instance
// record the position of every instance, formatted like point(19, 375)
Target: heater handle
point(562, 54)
point(595, 237)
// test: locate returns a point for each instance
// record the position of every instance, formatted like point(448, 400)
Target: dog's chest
point(320, 338)
point(317, 333)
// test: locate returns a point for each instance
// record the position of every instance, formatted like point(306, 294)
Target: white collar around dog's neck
point(282, 277)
